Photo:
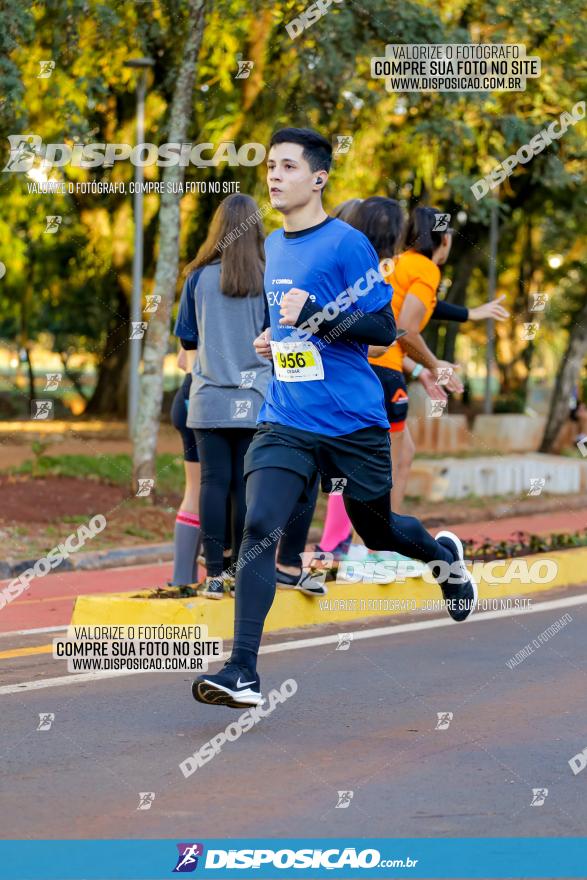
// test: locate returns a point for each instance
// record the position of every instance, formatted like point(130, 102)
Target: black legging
point(293, 543)
point(221, 452)
point(272, 494)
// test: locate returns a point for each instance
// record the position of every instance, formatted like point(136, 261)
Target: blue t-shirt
point(326, 261)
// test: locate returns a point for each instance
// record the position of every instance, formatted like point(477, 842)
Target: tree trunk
point(151, 385)
point(30, 371)
point(109, 397)
point(566, 379)
point(24, 341)
point(70, 374)
point(521, 307)
point(457, 295)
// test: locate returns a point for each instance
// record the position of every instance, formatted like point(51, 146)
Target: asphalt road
point(362, 720)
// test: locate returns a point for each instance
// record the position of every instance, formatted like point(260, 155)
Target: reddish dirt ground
point(49, 499)
point(38, 513)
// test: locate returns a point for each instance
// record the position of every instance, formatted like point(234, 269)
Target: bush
point(510, 403)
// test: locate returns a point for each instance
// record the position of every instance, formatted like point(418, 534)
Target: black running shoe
point(233, 686)
point(213, 588)
point(304, 582)
point(460, 595)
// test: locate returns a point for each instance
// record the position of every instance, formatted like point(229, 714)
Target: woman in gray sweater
point(222, 310)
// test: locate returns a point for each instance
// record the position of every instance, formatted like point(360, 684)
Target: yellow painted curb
point(25, 652)
point(344, 602)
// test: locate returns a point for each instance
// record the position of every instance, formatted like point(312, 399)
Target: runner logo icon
point(444, 719)
point(187, 859)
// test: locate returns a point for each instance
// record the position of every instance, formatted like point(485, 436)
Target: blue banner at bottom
point(506, 857)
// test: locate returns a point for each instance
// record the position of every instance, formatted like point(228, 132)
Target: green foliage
point(510, 403)
point(65, 289)
point(523, 544)
point(113, 469)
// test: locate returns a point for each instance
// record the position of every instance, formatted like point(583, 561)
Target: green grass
point(139, 533)
point(113, 469)
point(572, 452)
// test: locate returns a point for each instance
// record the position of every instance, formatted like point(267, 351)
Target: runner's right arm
point(445, 311)
point(374, 328)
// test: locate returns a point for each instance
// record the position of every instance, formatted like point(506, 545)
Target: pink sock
point(337, 525)
point(189, 519)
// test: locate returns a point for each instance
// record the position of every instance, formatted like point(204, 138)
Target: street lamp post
point(141, 64)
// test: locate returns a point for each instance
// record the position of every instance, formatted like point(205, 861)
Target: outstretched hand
point(491, 309)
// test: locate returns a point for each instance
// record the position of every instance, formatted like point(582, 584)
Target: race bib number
point(297, 362)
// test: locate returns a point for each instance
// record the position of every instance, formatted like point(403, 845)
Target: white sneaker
point(356, 553)
point(406, 567)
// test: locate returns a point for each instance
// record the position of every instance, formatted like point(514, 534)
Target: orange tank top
point(416, 274)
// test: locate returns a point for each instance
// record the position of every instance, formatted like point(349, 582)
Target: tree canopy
point(73, 287)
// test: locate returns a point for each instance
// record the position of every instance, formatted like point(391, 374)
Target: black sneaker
point(233, 686)
point(304, 582)
point(213, 588)
point(460, 596)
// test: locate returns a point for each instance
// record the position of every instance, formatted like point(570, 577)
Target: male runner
point(324, 407)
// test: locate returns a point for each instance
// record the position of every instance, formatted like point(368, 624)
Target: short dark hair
point(317, 150)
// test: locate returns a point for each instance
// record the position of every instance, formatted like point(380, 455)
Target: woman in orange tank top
point(415, 277)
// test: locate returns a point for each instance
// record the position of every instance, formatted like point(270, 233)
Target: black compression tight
point(293, 543)
point(272, 495)
point(222, 452)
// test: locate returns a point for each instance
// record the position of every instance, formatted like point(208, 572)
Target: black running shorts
point(395, 392)
point(179, 414)
point(358, 463)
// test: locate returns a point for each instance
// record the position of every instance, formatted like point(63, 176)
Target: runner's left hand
point(453, 383)
point(291, 306)
point(492, 309)
point(428, 381)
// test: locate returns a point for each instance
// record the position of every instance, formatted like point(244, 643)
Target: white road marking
point(33, 632)
point(316, 641)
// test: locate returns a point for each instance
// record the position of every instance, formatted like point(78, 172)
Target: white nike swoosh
point(242, 684)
